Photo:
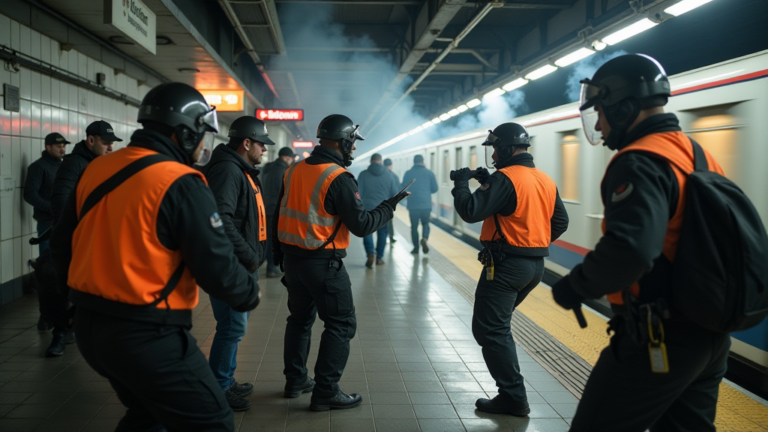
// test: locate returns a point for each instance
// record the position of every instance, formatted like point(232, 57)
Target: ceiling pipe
point(454, 44)
point(249, 47)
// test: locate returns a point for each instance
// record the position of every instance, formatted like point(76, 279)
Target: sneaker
point(293, 390)
point(273, 274)
point(424, 246)
point(369, 262)
point(503, 405)
point(69, 337)
point(392, 240)
point(340, 400)
point(242, 389)
point(380, 261)
point(56, 349)
point(42, 325)
point(236, 402)
point(415, 251)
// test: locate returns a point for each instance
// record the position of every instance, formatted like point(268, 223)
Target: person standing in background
point(375, 185)
point(420, 201)
point(272, 176)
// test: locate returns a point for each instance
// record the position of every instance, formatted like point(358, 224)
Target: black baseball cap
point(387, 162)
point(285, 151)
point(103, 130)
point(55, 138)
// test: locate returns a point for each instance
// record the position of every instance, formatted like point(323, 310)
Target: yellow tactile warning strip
point(736, 412)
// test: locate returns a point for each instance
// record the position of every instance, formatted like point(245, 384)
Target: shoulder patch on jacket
point(622, 192)
point(216, 221)
point(357, 195)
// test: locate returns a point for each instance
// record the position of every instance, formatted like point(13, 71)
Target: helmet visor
point(209, 120)
point(205, 152)
point(355, 134)
point(489, 162)
point(491, 140)
point(589, 119)
point(590, 94)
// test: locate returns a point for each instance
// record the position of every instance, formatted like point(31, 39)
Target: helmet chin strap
point(620, 117)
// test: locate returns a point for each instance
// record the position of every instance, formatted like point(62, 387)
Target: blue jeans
point(41, 228)
point(417, 215)
point(381, 242)
point(230, 329)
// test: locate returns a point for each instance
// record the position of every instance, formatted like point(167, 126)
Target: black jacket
point(498, 195)
point(37, 189)
point(72, 167)
point(272, 174)
point(635, 223)
point(422, 189)
point(343, 200)
point(226, 175)
point(185, 222)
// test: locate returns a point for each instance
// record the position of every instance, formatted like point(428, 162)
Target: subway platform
point(414, 359)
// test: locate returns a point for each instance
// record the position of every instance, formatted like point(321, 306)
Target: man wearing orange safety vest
point(135, 239)
point(235, 184)
point(661, 371)
point(318, 208)
point(522, 214)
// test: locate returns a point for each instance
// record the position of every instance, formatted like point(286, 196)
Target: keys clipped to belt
point(657, 349)
point(486, 259)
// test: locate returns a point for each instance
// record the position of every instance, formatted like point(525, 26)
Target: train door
point(458, 164)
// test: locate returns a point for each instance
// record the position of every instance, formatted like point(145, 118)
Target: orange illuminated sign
point(224, 100)
point(303, 144)
point(280, 114)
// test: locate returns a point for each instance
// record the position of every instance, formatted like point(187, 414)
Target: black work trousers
point(623, 395)
point(495, 300)
point(271, 267)
point(314, 288)
point(55, 306)
point(158, 372)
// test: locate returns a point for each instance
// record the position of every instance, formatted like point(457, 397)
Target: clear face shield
point(490, 149)
point(589, 114)
point(205, 152)
point(211, 124)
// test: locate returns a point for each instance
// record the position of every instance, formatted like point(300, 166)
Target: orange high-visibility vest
point(675, 148)
point(529, 226)
point(303, 221)
point(262, 211)
point(116, 254)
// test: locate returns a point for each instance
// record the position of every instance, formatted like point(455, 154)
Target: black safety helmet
point(251, 128)
point(182, 108)
point(505, 139)
point(623, 86)
point(340, 128)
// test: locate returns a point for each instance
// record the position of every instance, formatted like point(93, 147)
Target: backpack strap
point(699, 158)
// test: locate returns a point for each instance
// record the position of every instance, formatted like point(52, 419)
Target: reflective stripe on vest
point(529, 225)
point(260, 207)
point(303, 221)
point(677, 150)
point(116, 254)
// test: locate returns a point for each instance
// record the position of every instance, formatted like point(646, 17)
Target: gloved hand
point(277, 258)
point(396, 199)
point(482, 174)
point(463, 174)
point(564, 294)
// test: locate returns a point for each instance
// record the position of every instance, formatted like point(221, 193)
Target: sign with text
point(303, 144)
point(134, 19)
point(224, 100)
point(280, 114)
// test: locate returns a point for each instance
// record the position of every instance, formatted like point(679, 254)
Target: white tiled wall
point(47, 105)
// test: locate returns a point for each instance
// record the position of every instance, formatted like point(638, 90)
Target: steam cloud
point(585, 69)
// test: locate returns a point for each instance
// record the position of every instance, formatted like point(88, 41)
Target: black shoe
point(236, 402)
point(415, 251)
point(293, 390)
point(69, 337)
point(56, 348)
point(369, 262)
point(503, 405)
point(380, 261)
point(42, 325)
point(424, 246)
point(272, 275)
point(392, 240)
point(340, 401)
point(242, 389)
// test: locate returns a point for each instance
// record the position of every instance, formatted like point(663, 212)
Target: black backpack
point(720, 272)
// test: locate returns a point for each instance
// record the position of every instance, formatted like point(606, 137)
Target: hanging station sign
point(224, 100)
point(280, 114)
point(134, 20)
point(303, 144)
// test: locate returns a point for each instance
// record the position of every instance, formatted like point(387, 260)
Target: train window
point(432, 165)
point(569, 167)
point(459, 158)
point(473, 157)
point(446, 165)
point(717, 133)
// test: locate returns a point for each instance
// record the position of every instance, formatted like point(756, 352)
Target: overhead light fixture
point(444, 117)
point(599, 45)
point(473, 103)
point(436, 120)
point(428, 124)
point(685, 6)
point(540, 72)
point(629, 31)
point(494, 93)
point(462, 108)
point(415, 130)
point(454, 112)
point(574, 57)
point(516, 84)
point(189, 70)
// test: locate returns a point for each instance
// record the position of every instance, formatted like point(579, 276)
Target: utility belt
point(490, 256)
point(644, 325)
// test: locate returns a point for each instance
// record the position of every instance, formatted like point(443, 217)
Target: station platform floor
point(414, 359)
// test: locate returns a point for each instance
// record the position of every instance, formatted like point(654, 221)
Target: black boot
point(503, 405)
point(340, 400)
point(242, 389)
point(56, 348)
point(236, 402)
point(293, 390)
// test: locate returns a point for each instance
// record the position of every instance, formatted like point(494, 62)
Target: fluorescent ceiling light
point(540, 72)
point(427, 125)
point(574, 57)
point(494, 93)
point(599, 45)
point(454, 112)
point(416, 130)
point(473, 103)
point(436, 120)
point(629, 31)
point(444, 117)
point(515, 84)
point(462, 108)
point(684, 6)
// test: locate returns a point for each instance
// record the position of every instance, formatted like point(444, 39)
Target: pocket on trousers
point(338, 295)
